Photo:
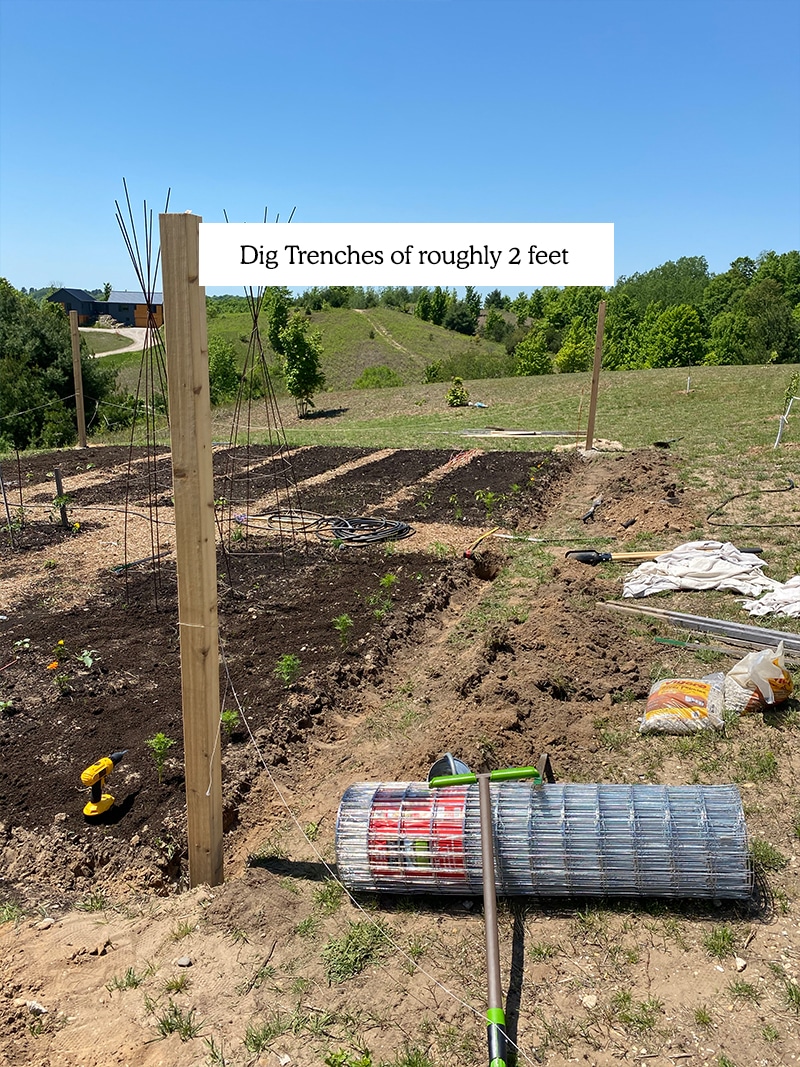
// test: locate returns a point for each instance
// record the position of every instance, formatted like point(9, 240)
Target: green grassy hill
point(354, 340)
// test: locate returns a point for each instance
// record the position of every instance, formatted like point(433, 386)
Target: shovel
point(593, 557)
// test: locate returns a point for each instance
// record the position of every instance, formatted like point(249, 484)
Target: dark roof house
point(76, 300)
point(128, 308)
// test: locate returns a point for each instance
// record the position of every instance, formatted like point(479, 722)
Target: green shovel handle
point(508, 774)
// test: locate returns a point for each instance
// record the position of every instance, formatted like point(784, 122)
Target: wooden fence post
point(77, 377)
point(598, 359)
point(193, 489)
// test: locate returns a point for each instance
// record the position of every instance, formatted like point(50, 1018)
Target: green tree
point(422, 309)
point(439, 301)
point(532, 355)
point(680, 282)
point(495, 299)
point(495, 327)
point(577, 350)
point(461, 318)
point(277, 304)
point(303, 362)
point(677, 338)
point(106, 292)
point(619, 338)
point(223, 373)
point(37, 401)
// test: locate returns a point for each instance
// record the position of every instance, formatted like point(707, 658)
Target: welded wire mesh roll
point(549, 840)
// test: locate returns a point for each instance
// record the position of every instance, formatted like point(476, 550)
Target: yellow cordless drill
point(95, 776)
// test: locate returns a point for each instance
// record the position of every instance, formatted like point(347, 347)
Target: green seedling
point(287, 668)
point(229, 720)
point(343, 625)
point(174, 1020)
point(159, 744)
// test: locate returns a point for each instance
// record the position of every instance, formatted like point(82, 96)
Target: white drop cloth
point(785, 600)
point(700, 565)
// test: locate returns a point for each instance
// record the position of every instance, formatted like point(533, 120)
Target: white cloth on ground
point(700, 565)
point(785, 600)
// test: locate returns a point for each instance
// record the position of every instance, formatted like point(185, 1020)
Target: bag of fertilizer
point(684, 705)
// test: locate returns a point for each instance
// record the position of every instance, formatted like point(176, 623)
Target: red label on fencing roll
point(417, 836)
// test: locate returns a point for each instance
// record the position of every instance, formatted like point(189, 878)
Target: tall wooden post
point(77, 377)
point(193, 489)
point(598, 359)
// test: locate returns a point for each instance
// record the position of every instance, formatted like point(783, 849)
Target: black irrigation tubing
point(753, 525)
point(333, 528)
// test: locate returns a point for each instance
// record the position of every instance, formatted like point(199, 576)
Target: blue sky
point(674, 119)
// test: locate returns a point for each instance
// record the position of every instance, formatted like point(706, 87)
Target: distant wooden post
point(193, 489)
point(598, 359)
point(78, 377)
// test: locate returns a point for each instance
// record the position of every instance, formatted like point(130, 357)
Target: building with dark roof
point(126, 308)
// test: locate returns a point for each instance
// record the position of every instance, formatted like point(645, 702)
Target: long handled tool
point(593, 557)
point(495, 1016)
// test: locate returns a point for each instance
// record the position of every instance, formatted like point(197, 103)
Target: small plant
point(10, 912)
point(541, 951)
point(724, 1061)
point(130, 980)
point(96, 901)
point(636, 1017)
point(159, 744)
point(87, 657)
point(702, 1016)
point(229, 720)
point(741, 990)
point(257, 1037)
point(174, 1020)
point(346, 956)
point(457, 395)
point(183, 929)
point(766, 857)
point(791, 992)
point(6, 707)
point(287, 668)
point(343, 625)
point(307, 927)
point(343, 1058)
point(328, 897)
point(718, 942)
point(489, 500)
point(769, 1033)
point(179, 984)
point(59, 655)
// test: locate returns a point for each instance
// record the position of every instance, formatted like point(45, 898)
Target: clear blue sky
point(677, 120)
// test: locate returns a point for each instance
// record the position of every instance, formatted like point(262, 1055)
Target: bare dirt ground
point(108, 957)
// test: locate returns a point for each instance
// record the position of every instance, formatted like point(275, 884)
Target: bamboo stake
point(78, 377)
point(598, 359)
point(193, 489)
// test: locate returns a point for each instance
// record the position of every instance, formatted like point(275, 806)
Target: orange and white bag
point(758, 681)
point(684, 705)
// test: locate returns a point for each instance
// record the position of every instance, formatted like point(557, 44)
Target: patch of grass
point(791, 992)
point(541, 951)
point(10, 912)
point(637, 1018)
point(724, 1061)
point(183, 929)
point(769, 1033)
point(130, 980)
point(307, 927)
point(174, 1020)
point(362, 944)
point(96, 901)
point(702, 1016)
point(328, 898)
point(766, 857)
point(741, 990)
point(756, 764)
point(718, 942)
point(178, 984)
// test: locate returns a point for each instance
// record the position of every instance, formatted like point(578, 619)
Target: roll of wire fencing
point(551, 840)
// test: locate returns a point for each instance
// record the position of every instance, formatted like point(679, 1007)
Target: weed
point(412, 1057)
point(130, 980)
point(287, 668)
point(258, 1037)
point(343, 625)
point(791, 992)
point(239, 936)
point(216, 1056)
point(724, 1061)
point(159, 744)
point(179, 984)
point(638, 1018)
point(718, 942)
point(10, 913)
point(174, 1020)
point(183, 929)
point(307, 927)
point(329, 896)
point(311, 831)
point(756, 764)
point(766, 857)
point(96, 901)
point(702, 1016)
point(343, 1058)
point(769, 1033)
point(741, 990)
point(87, 657)
point(559, 1033)
point(490, 501)
point(614, 740)
point(346, 956)
point(229, 720)
point(541, 951)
